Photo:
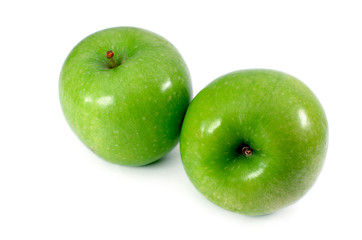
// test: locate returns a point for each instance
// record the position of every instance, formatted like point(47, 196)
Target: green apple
point(124, 91)
point(254, 141)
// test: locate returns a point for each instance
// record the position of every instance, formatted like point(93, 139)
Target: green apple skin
point(273, 113)
point(130, 114)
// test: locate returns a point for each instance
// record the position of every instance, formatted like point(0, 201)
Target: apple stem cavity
point(245, 150)
point(110, 55)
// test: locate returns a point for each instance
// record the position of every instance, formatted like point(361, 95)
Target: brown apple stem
point(247, 151)
point(110, 55)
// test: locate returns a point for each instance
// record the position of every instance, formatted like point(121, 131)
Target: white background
point(53, 187)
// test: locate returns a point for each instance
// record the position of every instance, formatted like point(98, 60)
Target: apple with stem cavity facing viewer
point(254, 141)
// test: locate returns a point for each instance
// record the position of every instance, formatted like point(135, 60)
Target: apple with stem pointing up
point(124, 92)
point(254, 141)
